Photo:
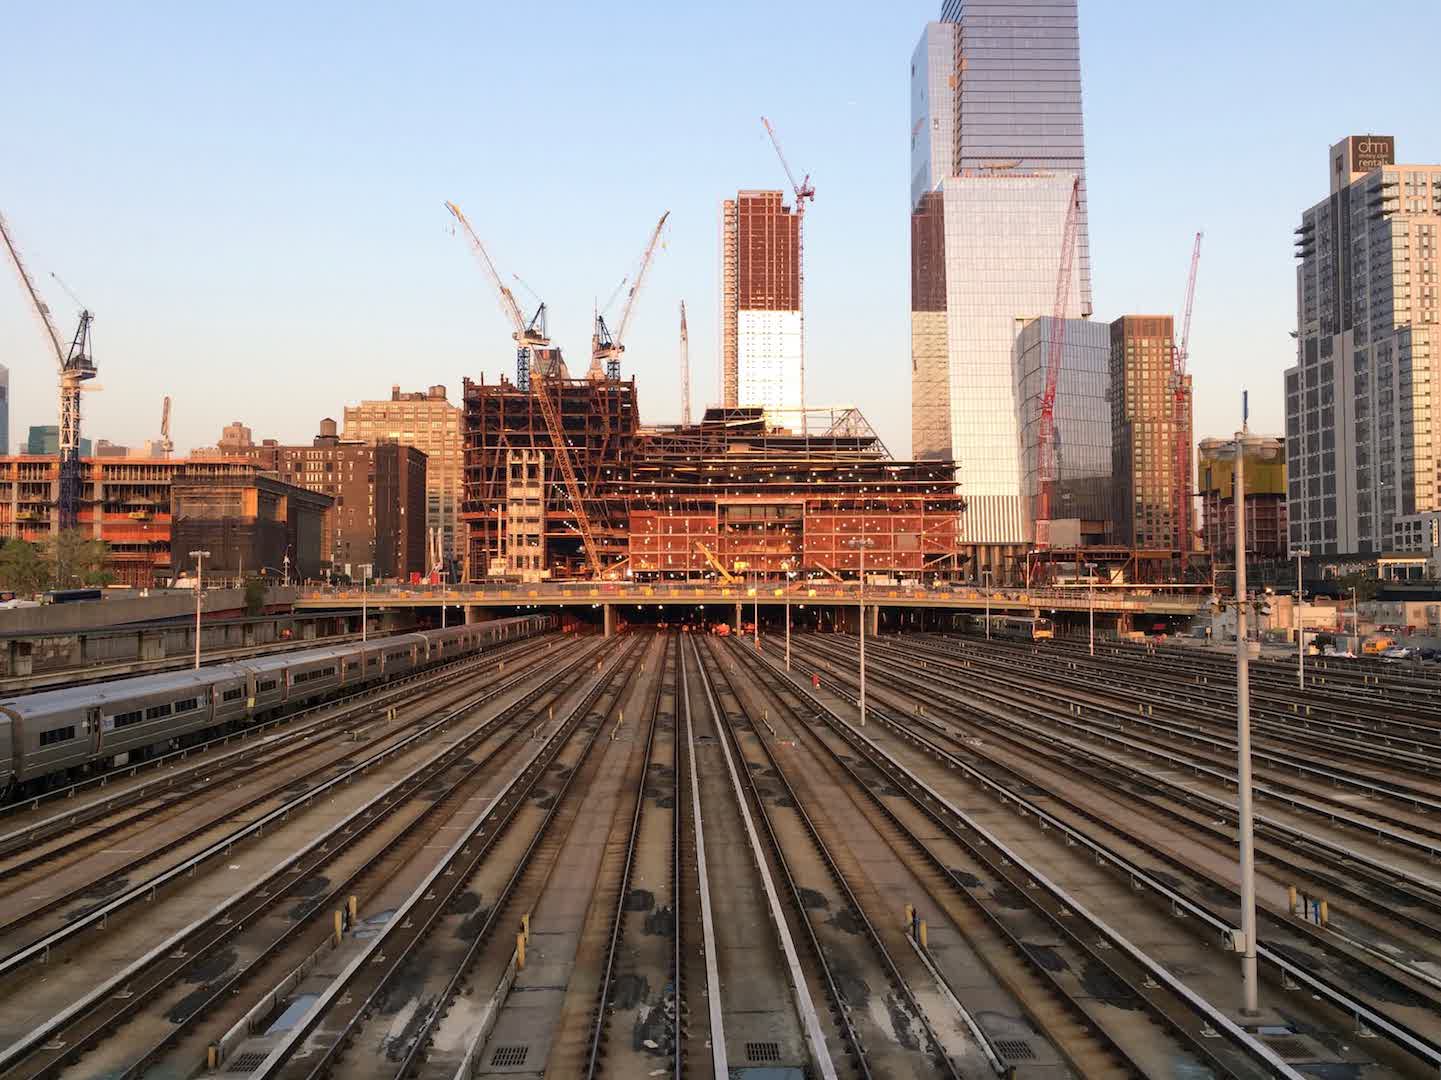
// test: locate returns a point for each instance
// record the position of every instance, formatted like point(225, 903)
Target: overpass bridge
point(1119, 605)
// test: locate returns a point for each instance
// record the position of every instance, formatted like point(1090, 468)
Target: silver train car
point(56, 736)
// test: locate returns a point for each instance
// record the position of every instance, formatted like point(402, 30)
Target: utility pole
point(1251, 992)
point(986, 578)
point(199, 557)
point(1301, 553)
point(364, 615)
point(862, 543)
point(1092, 604)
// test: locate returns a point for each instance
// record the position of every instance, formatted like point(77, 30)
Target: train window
point(157, 711)
point(126, 718)
point(57, 735)
point(372, 661)
point(190, 704)
point(233, 695)
point(269, 684)
point(354, 665)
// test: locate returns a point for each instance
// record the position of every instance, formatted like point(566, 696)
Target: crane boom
point(804, 190)
point(40, 307)
point(684, 369)
point(1181, 413)
point(1047, 434)
point(606, 347)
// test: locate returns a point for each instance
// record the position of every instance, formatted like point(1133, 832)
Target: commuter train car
point(1014, 627)
point(55, 735)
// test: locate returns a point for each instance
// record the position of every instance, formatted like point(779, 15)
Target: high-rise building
point(761, 302)
point(236, 436)
point(1082, 491)
point(1017, 95)
point(1360, 446)
point(1145, 413)
point(428, 421)
point(996, 149)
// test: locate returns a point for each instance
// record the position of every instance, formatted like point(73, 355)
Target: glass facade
point(1147, 420)
point(1017, 96)
point(1083, 417)
point(1002, 237)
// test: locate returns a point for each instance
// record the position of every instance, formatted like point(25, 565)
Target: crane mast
point(1048, 473)
point(75, 367)
point(804, 190)
point(1181, 414)
point(530, 337)
point(684, 369)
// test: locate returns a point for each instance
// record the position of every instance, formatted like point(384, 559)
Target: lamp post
point(364, 614)
point(1091, 603)
point(862, 542)
point(1250, 989)
point(199, 557)
point(1301, 553)
point(790, 580)
point(986, 578)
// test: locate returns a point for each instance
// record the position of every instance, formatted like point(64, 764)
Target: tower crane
point(605, 347)
point(1048, 473)
point(76, 366)
point(804, 190)
point(684, 369)
point(166, 445)
point(1181, 413)
point(533, 355)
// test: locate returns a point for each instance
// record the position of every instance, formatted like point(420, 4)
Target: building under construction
point(730, 495)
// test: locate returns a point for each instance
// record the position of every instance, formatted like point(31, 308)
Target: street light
point(862, 542)
point(364, 614)
point(986, 580)
point(199, 557)
point(1301, 553)
point(1091, 575)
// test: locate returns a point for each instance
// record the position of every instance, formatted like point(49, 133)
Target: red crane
point(1181, 415)
point(1047, 439)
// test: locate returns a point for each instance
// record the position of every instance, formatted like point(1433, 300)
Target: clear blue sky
point(249, 195)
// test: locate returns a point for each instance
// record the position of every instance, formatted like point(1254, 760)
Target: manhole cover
point(509, 1055)
point(763, 1051)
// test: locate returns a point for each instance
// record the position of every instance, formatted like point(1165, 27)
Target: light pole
point(1301, 553)
point(862, 542)
point(790, 580)
point(364, 614)
point(1250, 989)
point(199, 557)
point(1091, 604)
point(1355, 619)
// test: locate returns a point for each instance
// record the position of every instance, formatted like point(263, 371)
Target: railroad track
point(118, 826)
point(84, 1022)
point(321, 1042)
point(1174, 883)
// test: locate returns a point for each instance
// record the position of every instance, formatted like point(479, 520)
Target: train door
point(91, 729)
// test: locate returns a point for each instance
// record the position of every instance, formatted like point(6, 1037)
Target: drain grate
point(1015, 1050)
point(1290, 1049)
point(763, 1051)
point(247, 1062)
point(509, 1055)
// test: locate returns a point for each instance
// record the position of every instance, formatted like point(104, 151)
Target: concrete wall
point(130, 608)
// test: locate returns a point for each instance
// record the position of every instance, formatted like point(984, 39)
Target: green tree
point(78, 559)
point(254, 596)
point(23, 567)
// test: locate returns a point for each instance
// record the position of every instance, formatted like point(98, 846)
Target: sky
point(250, 197)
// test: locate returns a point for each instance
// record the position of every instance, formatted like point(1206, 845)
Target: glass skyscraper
point(996, 148)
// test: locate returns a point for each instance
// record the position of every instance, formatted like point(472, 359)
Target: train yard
point(543, 854)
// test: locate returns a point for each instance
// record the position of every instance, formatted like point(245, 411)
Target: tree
point(78, 559)
point(254, 595)
point(23, 568)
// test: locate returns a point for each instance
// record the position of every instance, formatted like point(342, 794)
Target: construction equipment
point(605, 347)
point(167, 447)
point(1048, 473)
point(804, 190)
point(533, 356)
point(76, 366)
point(715, 564)
point(1181, 414)
point(684, 369)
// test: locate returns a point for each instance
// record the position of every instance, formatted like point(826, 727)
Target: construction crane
point(166, 446)
point(76, 366)
point(684, 369)
point(533, 355)
point(1048, 473)
point(1181, 414)
point(804, 190)
point(605, 347)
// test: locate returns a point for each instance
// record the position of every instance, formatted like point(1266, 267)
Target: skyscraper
point(1362, 459)
point(1145, 414)
point(996, 148)
point(4, 409)
point(760, 302)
